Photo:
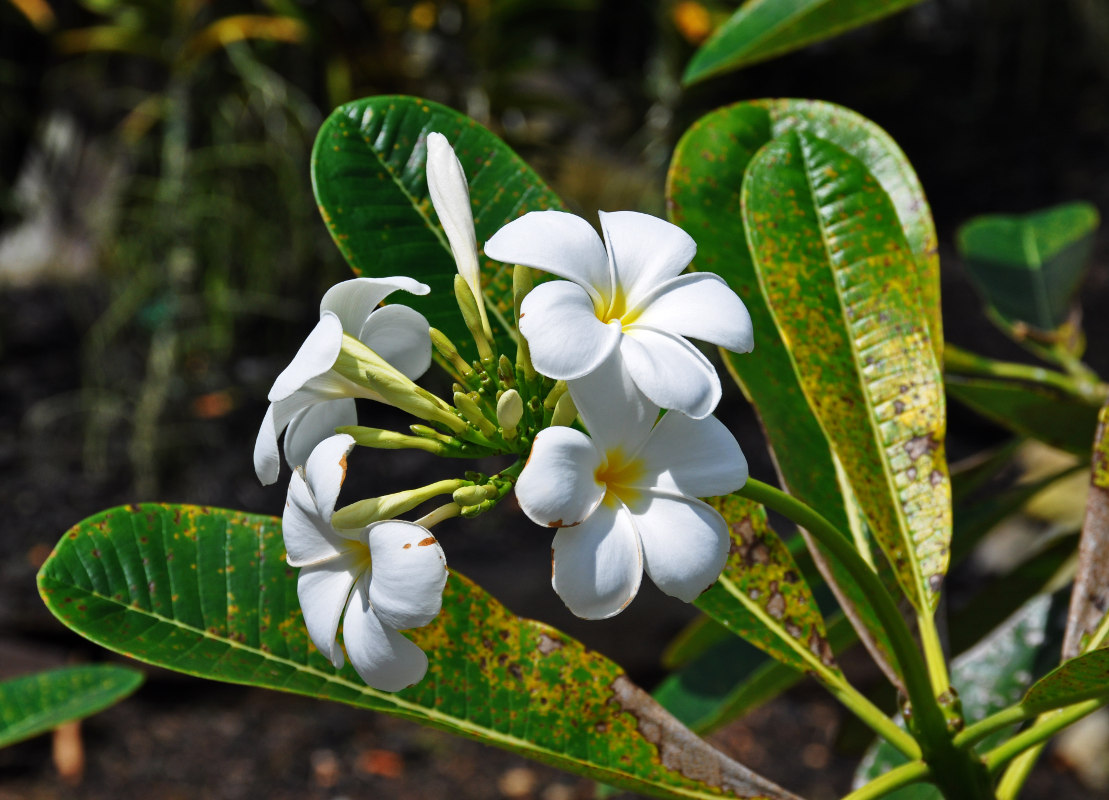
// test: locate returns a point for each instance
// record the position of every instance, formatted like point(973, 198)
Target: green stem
point(1017, 773)
point(1043, 730)
point(959, 774)
point(933, 652)
point(962, 362)
point(984, 727)
point(904, 775)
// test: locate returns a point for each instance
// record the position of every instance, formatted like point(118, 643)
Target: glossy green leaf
point(763, 29)
point(368, 173)
point(1060, 419)
point(1084, 677)
point(33, 704)
point(1028, 266)
point(762, 596)
point(703, 190)
point(837, 272)
point(992, 675)
point(1088, 617)
point(207, 592)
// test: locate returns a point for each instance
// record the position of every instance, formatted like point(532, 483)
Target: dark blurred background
point(161, 259)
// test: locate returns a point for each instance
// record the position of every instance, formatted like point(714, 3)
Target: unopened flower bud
point(473, 495)
point(471, 315)
point(373, 509)
point(510, 410)
point(472, 412)
point(565, 411)
point(445, 348)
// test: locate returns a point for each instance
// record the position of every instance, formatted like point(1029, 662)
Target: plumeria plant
point(573, 353)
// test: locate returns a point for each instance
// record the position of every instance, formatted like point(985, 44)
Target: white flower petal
point(692, 457)
point(615, 412)
point(312, 425)
point(558, 486)
point(401, 336)
point(670, 371)
point(450, 194)
point(323, 590)
point(598, 565)
point(382, 657)
point(562, 330)
point(559, 243)
point(326, 470)
point(352, 301)
point(645, 250)
point(685, 543)
point(700, 306)
point(267, 458)
point(316, 356)
point(409, 573)
point(309, 537)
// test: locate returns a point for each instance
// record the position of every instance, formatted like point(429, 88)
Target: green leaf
point(764, 29)
point(33, 704)
point(368, 173)
point(1084, 677)
point(1028, 266)
point(207, 592)
point(692, 641)
point(1087, 619)
point(839, 277)
point(762, 596)
point(703, 190)
point(1041, 411)
point(989, 677)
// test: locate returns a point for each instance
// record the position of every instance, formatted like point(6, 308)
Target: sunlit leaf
point(1028, 266)
point(703, 189)
point(839, 277)
point(207, 592)
point(368, 174)
point(763, 29)
point(1084, 677)
point(33, 704)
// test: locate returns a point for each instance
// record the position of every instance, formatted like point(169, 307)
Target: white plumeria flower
point(450, 195)
point(624, 295)
point(312, 400)
point(625, 500)
point(381, 579)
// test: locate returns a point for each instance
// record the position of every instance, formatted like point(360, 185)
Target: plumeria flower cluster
point(607, 406)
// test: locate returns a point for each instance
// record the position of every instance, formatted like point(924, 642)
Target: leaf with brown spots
point(840, 279)
point(368, 175)
point(762, 596)
point(207, 592)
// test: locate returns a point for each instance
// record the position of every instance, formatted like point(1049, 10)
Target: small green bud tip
point(473, 495)
point(565, 411)
point(445, 347)
point(510, 410)
point(391, 440)
point(471, 315)
point(552, 398)
point(373, 509)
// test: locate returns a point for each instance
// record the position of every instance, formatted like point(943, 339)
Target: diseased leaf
point(207, 592)
point(1028, 266)
point(33, 704)
point(368, 173)
point(837, 271)
point(763, 29)
point(762, 596)
point(1084, 677)
point(1089, 607)
point(703, 193)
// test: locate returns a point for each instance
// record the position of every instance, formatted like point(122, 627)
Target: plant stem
point(958, 774)
point(1048, 726)
point(933, 652)
point(984, 727)
point(1017, 773)
point(962, 362)
point(904, 775)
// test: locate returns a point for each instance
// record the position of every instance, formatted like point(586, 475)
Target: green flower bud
point(373, 509)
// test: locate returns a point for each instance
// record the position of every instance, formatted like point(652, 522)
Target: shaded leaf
point(703, 192)
point(836, 269)
point(1041, 411)
point(208, 592)
point(702, 634)
point(763, 29)
point(33, 704)
point(1028, 266)
point(1084, 677)
point(368, 173)
point(762, 596)
point(1089, 607)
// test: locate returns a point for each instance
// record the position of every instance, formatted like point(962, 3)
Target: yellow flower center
point(618, 475)
point(617, 310)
